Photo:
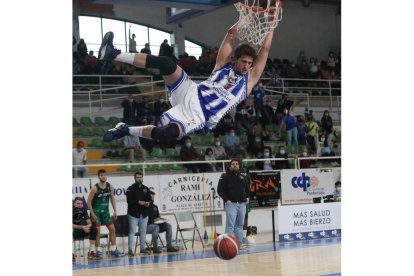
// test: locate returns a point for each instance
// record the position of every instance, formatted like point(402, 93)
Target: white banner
point(180, 192)
point(309, 221)
point(301, 186)
point(175, 193)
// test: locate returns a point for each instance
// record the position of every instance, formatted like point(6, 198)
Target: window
point(90, 32)
point(118, 28)
point(192, 49)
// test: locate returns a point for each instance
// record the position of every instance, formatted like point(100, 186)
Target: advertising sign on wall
point(301, 186)
point(309, 221)
point(265, 190)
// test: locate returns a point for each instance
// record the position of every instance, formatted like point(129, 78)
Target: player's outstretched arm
point(260, 62)
point(226, 47)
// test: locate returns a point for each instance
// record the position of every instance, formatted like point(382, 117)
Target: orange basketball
point(226, 246)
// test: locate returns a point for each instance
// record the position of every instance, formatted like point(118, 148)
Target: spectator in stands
point(156, 225)
point(82, 226)
point(242, 123)
point(132, 43)
point(82, 50)
point(292, 132)
point(255, 141)
point(314, 68)
point(165, 49)
point(130, 107)
point(146, 49)
point(259, 94)
point(326, 123)
point(232, 143)
point(301, 125)
point(292, 72)
point(189, 153)
point(330, 63)
point(306, 163)
point(337, 193)
point(224, 125)
point(90, 63)
point(268, 114)
point(133, 148)
point(282, 104)
point(145, 110)
point(160, 107)
point(138, 199)
point(209, 156)
point(301, 57)
point(218, 150)
point(282, 164)
point(79, 156)
point(266, 164)
point(312, 129)
point(303, 68)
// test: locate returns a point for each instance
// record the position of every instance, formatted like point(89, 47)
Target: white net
point(257, 18)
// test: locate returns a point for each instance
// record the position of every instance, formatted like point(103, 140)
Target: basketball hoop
point(257, 18)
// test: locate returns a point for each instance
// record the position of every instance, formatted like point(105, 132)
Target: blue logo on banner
point(301, 182)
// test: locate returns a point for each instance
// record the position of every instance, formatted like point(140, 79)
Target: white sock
point(92, 248)
point(245, 233)
point(126, 58)
point(98, 248)
point(112, 247)
point(136, 130)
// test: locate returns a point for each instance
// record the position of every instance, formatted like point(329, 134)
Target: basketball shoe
point(107, 51)
point(116, 253)
point(119, 131)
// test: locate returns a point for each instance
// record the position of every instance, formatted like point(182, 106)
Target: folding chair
point(80, 240)
point(187, 220)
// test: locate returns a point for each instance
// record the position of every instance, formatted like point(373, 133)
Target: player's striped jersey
point(221, 92)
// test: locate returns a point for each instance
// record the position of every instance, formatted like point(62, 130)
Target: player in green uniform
point(98, 204)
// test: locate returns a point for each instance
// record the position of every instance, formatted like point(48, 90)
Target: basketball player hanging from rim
point(194, 106)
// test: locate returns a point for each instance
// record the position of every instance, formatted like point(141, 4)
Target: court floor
point(300, 258)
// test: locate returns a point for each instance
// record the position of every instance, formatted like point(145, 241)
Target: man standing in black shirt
point(138, 199)
point(234, 191)
point(82, 226)
point(157, 225)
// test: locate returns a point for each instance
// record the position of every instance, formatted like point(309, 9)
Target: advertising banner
point(178, 192)
point(309, 221)
point(301, 186)
point(265, 190)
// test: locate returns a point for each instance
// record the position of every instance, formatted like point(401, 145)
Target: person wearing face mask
point(306, 163)
point(79, 158)
point(138, 198)
point(218, 150)
point(232, 143)
point(282, 164)
point(255, 140)
point(326, 122)
point(130, 107)
point(267, 164)
point(337, 193)
point(291, 128)
point(234, 191)
point(189, 153)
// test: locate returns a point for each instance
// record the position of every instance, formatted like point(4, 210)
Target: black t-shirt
point(80, 215)
point(153, 213)
point(137, 192)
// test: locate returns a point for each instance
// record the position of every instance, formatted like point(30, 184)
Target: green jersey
point(100, 201)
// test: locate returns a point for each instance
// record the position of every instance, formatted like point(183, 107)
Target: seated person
point(82, 226)
point(218, 150)
point(132, 148)
point(282, 164)
point(337, 193)
point(189, 153)
point(154, 229)
point(267, 164)
point(209, 156)
point(306, 163)
point(232, 143)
